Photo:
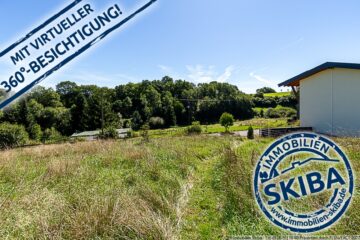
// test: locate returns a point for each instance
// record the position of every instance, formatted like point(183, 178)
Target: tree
point(137, 121)
point(46, 96)
point(250, 133)
point(168, 109)
point(73, 107)
point(156, 122)
point(227, 120)
point(68, 92)
point(180, 113)
point(12, 135)
point(79, 113)
point(265, 90)
point(35, 132)
point(123, 106)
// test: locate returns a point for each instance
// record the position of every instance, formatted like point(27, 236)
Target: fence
point(276, 132)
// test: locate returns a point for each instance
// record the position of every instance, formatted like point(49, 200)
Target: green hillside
point(278, 94)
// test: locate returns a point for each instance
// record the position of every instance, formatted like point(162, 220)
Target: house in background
point(329, 97)
point(94, 135)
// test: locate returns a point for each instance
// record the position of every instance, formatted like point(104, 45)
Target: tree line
point(161, 103)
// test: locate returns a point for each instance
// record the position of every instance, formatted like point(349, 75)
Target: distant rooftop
point(295, 81)
point(97, 133)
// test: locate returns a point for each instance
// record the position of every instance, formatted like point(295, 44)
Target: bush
point(51, 135)
point(291, 113)
point(261, 113)
point(145, 132)
point(265, 90)
point(195, 128)
point(156, 122)
point(272, 113)
point(12, 135)
point(280, 112)
point(109, 133)
point(227, 120)
point(292, 120)
point(127, 123)
point(250, 133)
point(35, 132)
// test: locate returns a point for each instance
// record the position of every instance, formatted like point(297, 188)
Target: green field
point(278, 94)
point(256, 123)
point(186, 187)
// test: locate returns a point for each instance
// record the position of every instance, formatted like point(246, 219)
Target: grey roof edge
point(318, 69)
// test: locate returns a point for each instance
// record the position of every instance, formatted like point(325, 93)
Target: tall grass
point(92, 190)
point(186, 187)
point(241, 214)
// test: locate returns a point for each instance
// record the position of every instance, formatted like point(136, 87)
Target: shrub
point(109, 133)
point(12, 135)
point(280, 112)
point(272, 113)
point(250, 133)
point(156, 122)
point(195, 128)
point(292, 119)
point(265, 90)
point(227, 120)
point(52, 135)
point(261, 113)
point(291, 113)
point(127, 123)
point(35, 132)
point(145, 132)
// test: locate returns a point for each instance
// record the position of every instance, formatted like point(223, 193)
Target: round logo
point(303, 182)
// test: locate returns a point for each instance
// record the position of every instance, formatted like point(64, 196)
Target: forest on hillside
point(161, 103)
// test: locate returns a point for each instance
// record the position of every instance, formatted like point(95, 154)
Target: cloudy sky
point(249, 43)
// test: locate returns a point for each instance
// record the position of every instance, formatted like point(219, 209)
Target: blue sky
point(249, 43)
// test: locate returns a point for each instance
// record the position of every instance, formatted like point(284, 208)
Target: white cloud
point(261, 79)
point(202, 74)
point(165, 68)
point(227, 74)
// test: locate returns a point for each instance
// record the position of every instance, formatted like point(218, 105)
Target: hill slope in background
point(278, 94)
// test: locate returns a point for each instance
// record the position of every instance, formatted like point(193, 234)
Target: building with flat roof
point(94, 135)
point(329, 97)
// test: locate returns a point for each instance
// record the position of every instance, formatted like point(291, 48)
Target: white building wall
point(315, 102)
point(346, 102)
point(329, 101)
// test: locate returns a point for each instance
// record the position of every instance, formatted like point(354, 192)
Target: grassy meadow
point(173, 187)
point(256, 123)
point(277, 94)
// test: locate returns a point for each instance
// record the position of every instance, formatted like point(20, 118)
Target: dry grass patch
point(98, 190)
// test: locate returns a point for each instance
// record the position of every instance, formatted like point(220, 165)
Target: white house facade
point(329, 97)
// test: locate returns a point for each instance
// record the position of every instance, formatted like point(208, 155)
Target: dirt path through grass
point(202, 215)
